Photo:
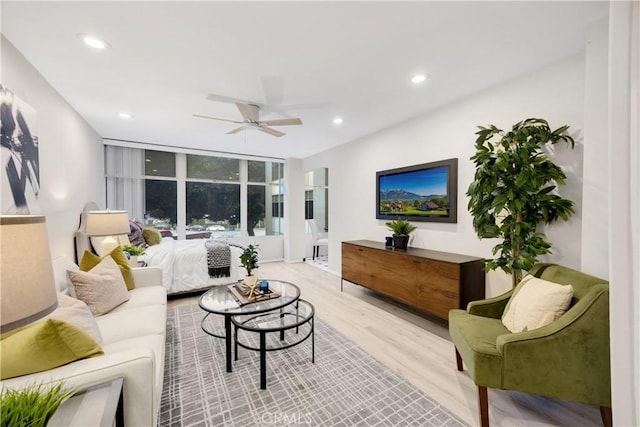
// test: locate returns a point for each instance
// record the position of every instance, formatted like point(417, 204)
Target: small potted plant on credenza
point(401, 231)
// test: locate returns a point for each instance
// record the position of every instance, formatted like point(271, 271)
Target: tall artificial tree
point(514, 190)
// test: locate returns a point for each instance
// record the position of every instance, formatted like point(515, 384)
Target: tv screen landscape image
point(425, 192)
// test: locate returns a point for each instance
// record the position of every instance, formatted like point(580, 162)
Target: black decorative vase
point(400, 241)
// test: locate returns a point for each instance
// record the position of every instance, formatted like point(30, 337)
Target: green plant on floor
point(249, 258)
point(401, 227)
point(134, 250)
point(32, 406)
point(514, 190)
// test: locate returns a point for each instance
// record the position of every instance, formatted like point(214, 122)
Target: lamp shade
point(27, 287)
point(107, 223)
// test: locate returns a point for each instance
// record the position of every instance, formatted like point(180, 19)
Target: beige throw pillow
point(76, 312)
point(102, 288)
point(535, 303)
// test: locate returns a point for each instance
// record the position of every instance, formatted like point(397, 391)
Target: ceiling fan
point(251, 115)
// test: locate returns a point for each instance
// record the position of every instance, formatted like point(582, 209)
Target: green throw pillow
point(152, 236)
point(90, 260)
point(42, 346)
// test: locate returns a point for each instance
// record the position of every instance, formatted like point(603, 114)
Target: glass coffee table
point(219, 300)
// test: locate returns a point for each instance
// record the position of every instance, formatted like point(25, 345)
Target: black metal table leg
point(235, 342)
point(282, 331)
point(313, 341)
point(227, 339)
point(263, 361)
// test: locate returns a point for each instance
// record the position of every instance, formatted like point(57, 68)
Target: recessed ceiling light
point(94, 42)
point(418, 78)
point(337, 121)
point(124, 115)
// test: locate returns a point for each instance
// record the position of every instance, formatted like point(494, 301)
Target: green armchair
point(566, 359)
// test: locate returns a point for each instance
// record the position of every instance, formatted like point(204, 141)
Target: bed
point(184, 263)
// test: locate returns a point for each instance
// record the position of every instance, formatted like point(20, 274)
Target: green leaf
point(515, 179)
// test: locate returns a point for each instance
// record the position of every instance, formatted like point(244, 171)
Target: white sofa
point(133, 343)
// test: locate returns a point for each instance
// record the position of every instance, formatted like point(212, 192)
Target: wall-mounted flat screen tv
point(426, 192)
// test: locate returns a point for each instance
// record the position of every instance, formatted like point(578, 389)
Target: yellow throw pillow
point(536, 303)
point(152, 236)
point(101, 288)
point(42, 346)
point(90, 260)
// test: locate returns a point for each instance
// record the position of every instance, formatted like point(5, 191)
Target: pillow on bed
point(135, 233)
point(152, 236)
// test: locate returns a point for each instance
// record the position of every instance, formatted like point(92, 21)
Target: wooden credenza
point(433, 281)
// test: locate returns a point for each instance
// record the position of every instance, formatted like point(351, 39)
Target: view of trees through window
point(212, 193)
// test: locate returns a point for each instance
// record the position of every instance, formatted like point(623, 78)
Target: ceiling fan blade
point(230, 100)
point(271, 131)
point(249, 112)
point(215, 118)
point(236, 130)
point(282, 122)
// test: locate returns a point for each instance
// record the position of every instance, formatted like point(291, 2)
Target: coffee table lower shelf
point(293, 317)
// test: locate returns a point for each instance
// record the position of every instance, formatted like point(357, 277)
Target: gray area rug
point(344, 387)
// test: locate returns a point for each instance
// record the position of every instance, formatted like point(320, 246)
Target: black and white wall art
point(20, 181)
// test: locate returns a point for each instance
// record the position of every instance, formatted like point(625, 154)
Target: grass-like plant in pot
point(514, 190)
point(32, 406)
point(401, 230)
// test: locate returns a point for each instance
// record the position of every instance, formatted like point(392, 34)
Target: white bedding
point(184, 265)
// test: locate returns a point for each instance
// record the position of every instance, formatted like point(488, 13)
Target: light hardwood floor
point(418, 348)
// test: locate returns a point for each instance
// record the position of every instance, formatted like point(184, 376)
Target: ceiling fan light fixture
point(93, 41)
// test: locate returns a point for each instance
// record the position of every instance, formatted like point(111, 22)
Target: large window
point(213, 209)
point(216, 168)
point(160, 204)
point(211, 188)
point(213, 196)
point(160, 190)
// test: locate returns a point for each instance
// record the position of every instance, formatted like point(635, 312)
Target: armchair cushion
point(535, 303)
point(475, 339)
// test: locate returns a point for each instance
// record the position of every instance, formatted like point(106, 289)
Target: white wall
point(294, 241)
point(70, 151)
point(555, 93)
point(595, 206)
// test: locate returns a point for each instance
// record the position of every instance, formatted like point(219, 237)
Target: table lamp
point(27, 286)
point(107, 223)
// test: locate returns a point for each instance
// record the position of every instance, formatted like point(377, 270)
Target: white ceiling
point(313, 60)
